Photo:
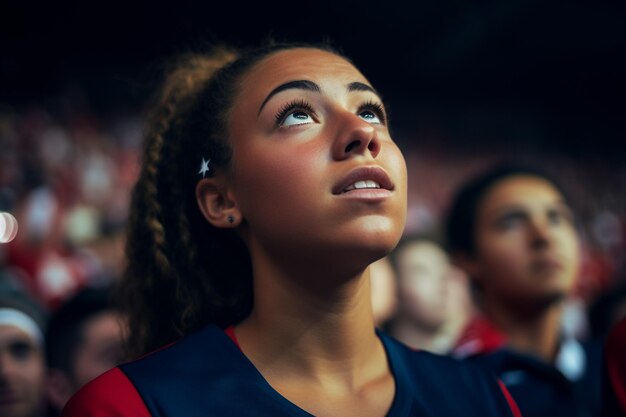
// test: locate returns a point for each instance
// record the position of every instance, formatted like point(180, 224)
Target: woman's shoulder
point(199, 359)
point(208, 351)
point(110, 394)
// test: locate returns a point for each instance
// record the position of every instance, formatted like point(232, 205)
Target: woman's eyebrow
point(357, 86)
point(297, 84)
point(311, 86)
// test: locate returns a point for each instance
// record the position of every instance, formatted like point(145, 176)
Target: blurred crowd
point(66, 176)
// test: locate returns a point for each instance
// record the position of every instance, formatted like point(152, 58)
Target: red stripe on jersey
point(230, 332)
point(94, 399)
point(512, 404)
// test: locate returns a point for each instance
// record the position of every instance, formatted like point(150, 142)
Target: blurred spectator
point(383, 281)
point(83, 340)
point(66, 175)
point(22, 363)
point(432, 296)
point(514, 233)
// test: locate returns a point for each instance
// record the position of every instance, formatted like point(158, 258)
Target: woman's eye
point(297, 118)
point(295, 113)
point(370, 116)
point(372, 112)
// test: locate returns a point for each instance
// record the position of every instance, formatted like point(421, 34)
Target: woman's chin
point(377, 232)
point(369, 249)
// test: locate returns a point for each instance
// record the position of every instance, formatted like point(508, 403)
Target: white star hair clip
point(204, 168)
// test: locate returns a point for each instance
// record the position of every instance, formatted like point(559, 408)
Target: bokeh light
point(8, 227)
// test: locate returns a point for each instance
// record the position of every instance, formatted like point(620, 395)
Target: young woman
point(270, 183)
point(513, 231)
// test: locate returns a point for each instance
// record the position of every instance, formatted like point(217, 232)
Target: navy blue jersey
point(206, 374)
point(540, 389)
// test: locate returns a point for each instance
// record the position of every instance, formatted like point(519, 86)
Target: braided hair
point(182, 272)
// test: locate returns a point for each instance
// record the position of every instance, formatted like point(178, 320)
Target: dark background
point(515, 74)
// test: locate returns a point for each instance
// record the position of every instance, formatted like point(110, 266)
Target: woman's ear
point(217, 203)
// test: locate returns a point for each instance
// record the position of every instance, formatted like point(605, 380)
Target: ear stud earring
point(231, 219)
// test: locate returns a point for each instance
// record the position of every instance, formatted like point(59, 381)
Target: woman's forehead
point(299, 64)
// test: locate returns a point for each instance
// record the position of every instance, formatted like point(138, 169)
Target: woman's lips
point(369, 180)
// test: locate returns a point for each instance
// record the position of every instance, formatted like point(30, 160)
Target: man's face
point(22, 374)
point(101, 348)
point(423, 277)
point(527, 248)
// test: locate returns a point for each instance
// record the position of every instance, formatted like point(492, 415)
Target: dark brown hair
point(182, 272)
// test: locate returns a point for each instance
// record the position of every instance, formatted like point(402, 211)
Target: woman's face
point(526, 243)
point(315, 170)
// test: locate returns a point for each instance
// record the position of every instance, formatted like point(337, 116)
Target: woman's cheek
point(277, 183)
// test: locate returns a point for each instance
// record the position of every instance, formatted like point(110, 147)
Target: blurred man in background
point(384, 300)
point(433, 299)
point(514, 233)
point(84, 339)
point(22, 362)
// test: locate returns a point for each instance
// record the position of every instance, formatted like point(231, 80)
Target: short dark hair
point(460, 223)
point(65, 328)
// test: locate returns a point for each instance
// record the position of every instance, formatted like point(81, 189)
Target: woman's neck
point(536, 333)
point(314, 324)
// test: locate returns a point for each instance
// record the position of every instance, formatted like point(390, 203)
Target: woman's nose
point(355, 136)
